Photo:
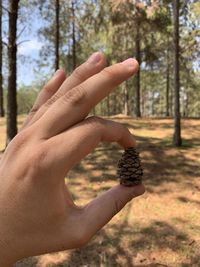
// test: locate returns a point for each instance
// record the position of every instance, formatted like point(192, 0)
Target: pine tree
point(12, 68)
point(177, 117)
point(1, 78)
point(57, 34)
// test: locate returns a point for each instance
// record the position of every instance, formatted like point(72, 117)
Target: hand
point(36, 209)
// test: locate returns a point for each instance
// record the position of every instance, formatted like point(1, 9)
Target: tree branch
point(23, 42)
point(21, 32)
point(5, 43)
point(4, 8)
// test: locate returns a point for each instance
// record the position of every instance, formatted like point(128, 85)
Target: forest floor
point(160, 228)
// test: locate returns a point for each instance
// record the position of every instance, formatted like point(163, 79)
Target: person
point(37, 212)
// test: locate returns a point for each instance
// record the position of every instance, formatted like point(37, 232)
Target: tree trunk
point(2, 113)
point(12, 71)
point(177, 117)
point(73, 36)
point(167, 85)
point(57, 34)
point(137, 76)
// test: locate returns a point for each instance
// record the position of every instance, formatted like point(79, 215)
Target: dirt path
point(162, 228)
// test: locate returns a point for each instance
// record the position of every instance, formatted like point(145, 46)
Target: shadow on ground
point(107, 250)
point(162, 165)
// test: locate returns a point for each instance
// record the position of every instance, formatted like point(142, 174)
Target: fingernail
point(57, 72)
point(94, 58)
point(130, 63)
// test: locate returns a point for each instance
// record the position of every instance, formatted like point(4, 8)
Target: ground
point(160, 228)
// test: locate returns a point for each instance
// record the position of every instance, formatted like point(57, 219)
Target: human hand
point(37, 212)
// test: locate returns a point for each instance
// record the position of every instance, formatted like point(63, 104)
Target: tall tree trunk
point(167, 85)
point(2, 113)
point(177, 117)
point(12, 71)
point(171, 99)
point(73, 36)
point(137, 76)
point(57, 34)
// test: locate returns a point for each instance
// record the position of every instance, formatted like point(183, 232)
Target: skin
point(37, 212)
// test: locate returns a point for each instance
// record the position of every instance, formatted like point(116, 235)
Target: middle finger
point(93, 65)
point(75, 105)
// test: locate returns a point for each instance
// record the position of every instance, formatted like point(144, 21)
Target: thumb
point(101, 210)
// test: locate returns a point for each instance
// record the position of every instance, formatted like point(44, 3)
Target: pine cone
point(129, 168)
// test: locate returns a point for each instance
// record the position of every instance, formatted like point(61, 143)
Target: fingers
point(75, 105)
point(71, 146)
point(80, 140)
point(101, 210)
point(48, 90)
point(93, 65)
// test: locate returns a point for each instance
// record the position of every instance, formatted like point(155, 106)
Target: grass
point(161, 228)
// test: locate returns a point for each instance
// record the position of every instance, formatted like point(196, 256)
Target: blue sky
point(29, 49)
point(29, 44)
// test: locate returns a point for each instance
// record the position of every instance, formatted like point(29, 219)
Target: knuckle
point(108, 73)
point(37, 158)
point(20, 140)
point(75, 96)
point(121, 127)
point(112, 74)
point(52, 100)
point(34, 109)
point(95, 120)
point(80, 73)
point(49, 88)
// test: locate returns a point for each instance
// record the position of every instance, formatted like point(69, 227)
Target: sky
point(29, 46)
point(30, 50)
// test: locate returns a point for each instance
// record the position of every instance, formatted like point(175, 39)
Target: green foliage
point(26, 96)
point(111, 28)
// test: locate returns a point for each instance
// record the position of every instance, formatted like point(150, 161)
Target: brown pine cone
point(129, 168)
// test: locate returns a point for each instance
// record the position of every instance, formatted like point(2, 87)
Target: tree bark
point(57, 34)
point(73, 36)
point(177, 117)
point(2, 113)
point(12, 71)
point(167, 85)
point(137, 76)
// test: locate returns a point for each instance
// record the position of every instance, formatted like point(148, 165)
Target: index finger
point(76, 104)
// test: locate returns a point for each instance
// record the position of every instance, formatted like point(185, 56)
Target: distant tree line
point(162, 35)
